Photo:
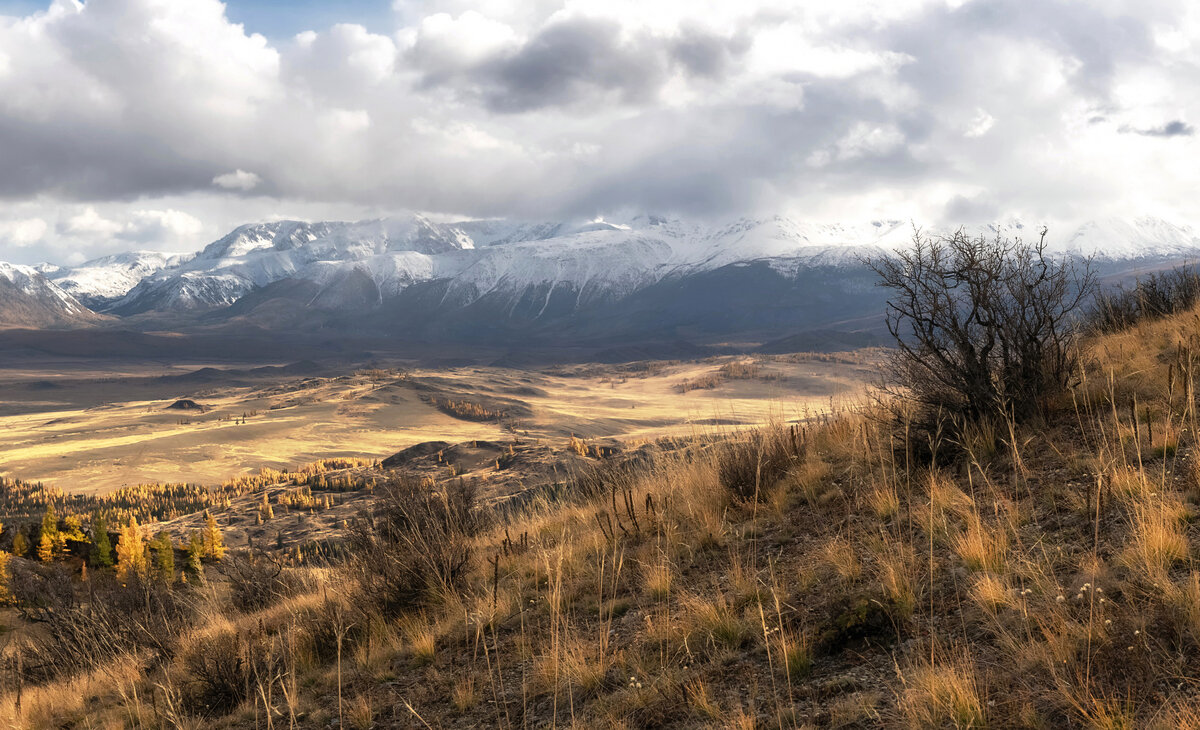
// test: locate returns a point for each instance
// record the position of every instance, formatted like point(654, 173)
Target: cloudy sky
point(163, 123)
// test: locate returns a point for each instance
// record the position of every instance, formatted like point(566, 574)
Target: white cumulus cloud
point(237, 180)
point(23, 232)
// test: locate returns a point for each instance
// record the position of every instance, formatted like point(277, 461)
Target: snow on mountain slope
point(29, 299)
point(259, 254)
point(105, 279)
point(1117, 240)
point(593, 260)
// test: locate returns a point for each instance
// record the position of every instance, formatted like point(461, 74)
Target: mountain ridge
point(644, 276)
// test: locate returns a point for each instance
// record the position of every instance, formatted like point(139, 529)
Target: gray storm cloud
point(143, 108)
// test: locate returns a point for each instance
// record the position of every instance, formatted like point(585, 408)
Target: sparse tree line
point(315, 475)
point(158, 502)
point(468, 410)
point(120, 547)
point(736, 370)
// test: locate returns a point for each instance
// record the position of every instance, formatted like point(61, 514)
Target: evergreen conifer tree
point(102, 552)
point(165, 556)
point(195, 550)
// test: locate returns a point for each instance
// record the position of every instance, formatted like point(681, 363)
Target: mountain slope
point(253, 256)
point(101, 281)
point(496, 280)
point(29, 299)
point(588, 263)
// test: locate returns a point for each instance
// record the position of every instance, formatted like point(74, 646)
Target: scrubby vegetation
point(468, 410)
point(1153, 296)
point(983, 328)
point(852, 571)
point(21, 501)
point(733, 370)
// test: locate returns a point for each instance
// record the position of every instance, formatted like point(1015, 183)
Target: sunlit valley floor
point(105, 426)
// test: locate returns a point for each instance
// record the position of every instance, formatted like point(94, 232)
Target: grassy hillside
point(822, 575)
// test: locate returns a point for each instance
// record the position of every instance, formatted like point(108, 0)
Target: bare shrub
point(256, 579)
point(983, 327)
point(417, 542)
point(115, 618)
point(222, 669)
point(1154, 296)
point(602, 477)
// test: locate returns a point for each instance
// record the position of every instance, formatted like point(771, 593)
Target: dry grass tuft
point(897, 573)
point(942, 695)
point(421, 639)
point(741, 720)
point(948, 507)
point(575, 667)
point(716, 621)
point(991, 592)
point(840, 554)
point(983, 548)
point(360, 714)
point(465, 694)
point(884, 501)
point(811, 480)
point(1157, 540)
point(858, 709)
point(658, 581)
point(700, 700)
point(797, 652)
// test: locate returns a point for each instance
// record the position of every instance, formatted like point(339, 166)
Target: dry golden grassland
point(97, 434)
point(821, 575)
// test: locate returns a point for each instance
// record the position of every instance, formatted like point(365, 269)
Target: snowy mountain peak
point(1144, 237)
point(102, 280)
point(29, 299)
point(587, 260)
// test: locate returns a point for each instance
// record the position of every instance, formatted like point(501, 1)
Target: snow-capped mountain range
point(105, 279)
point(415, 270)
